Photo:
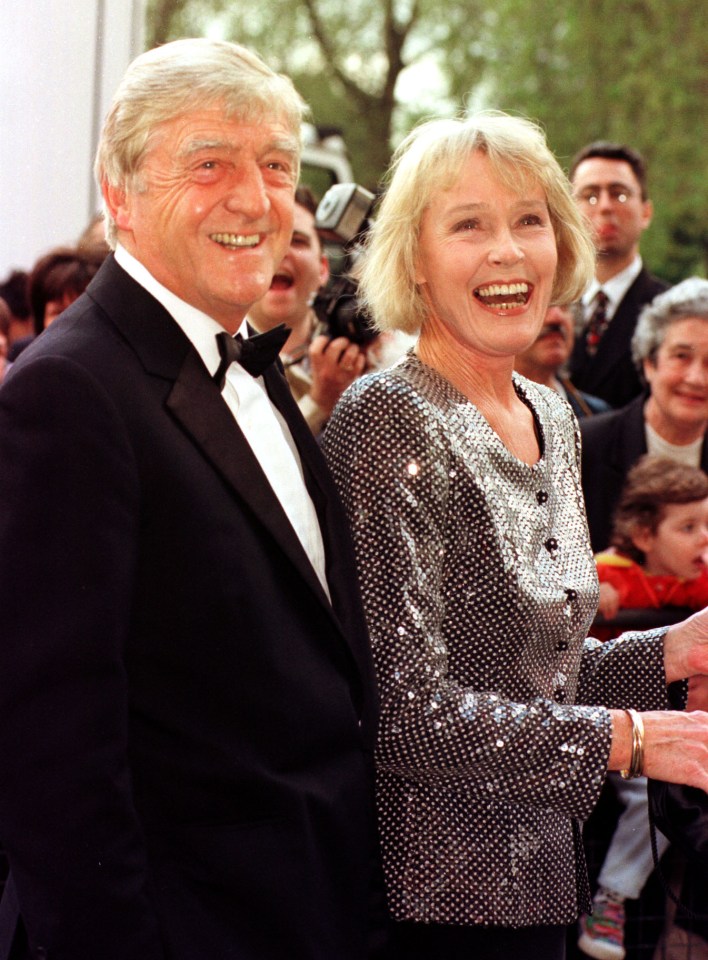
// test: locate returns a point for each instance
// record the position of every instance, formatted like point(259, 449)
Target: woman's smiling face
point(486, 261)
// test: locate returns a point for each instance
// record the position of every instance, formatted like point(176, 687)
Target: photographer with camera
point(319, 367)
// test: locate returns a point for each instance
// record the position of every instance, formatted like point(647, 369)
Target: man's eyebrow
point(618, 184)
point(286, 145)
point(195, 146)
point(289, 145)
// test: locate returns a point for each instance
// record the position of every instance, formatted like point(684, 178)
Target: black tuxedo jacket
point(186, 722)
point(612, 444)
point(611, 373)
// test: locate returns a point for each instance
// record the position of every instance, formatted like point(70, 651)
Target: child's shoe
point(602, 933)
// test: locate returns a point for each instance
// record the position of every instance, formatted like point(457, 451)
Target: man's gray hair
point(176, 78)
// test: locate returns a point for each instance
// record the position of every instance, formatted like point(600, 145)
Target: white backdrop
point(60, 62)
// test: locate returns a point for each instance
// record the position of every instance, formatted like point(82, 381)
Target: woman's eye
point(531, 220)
point(464, 225)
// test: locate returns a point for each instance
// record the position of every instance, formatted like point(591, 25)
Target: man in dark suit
point(610, 184)
point(186, 696)
point(545, 360)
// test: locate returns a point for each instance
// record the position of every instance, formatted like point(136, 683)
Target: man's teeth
point(235, 240)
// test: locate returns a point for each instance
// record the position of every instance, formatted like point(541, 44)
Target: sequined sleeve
point(469, 664)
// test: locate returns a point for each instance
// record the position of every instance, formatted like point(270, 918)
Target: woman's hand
point(675, 745)
point(686, 647)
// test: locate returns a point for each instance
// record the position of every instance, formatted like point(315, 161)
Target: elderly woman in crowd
point(462, 485)
point(670, 347)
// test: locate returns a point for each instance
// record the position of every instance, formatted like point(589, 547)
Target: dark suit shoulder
point(647, 286)
point(605, 425)
point(611, 443)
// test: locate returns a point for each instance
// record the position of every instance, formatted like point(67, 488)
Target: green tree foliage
point(634, 73)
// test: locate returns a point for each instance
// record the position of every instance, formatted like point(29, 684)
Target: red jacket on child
point(639, 589)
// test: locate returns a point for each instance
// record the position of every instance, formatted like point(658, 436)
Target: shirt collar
point(616, 286)
point(198, 327)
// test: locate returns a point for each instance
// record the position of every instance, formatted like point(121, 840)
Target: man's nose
point(247, 194)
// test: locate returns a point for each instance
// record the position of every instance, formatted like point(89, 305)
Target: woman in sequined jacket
point(499, 718)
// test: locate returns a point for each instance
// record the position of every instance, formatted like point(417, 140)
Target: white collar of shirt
point(198, 327)
point(262, 424)
point(615, 288)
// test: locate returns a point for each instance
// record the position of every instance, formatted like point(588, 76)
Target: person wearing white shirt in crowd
point(610, 185)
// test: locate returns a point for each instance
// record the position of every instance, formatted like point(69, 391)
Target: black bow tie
point(255, 354)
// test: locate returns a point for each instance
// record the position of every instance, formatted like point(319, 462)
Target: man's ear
point(117, 200)
point(647, 213)
point(324, 270)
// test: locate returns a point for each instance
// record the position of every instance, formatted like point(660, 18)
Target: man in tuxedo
point(610, 184)
point(187, 705)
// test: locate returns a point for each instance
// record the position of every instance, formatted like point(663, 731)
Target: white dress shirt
point(615, 288)
point(262, 424)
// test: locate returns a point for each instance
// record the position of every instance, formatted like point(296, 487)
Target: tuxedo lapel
point(341, 569)
point(196, 402)
point(198, 405)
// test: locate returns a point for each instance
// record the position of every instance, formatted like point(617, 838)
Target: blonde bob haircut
point(430, 159)
point(175, 79)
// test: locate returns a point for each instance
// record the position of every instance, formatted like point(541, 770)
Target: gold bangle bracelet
point(636, 763)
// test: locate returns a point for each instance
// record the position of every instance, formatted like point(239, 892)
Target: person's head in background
point(13, 291)
point(670, 347)
point(56, 280)
point(610, 185)
point(549, 352)
point(92, 240)
point(661, 521)
point(301, 273)
point(5, 319)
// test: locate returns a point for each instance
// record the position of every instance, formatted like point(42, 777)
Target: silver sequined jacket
point(479, 587)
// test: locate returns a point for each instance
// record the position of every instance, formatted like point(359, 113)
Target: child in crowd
point(657, 558)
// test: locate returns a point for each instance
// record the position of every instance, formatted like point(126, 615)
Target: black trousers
point(434, 941)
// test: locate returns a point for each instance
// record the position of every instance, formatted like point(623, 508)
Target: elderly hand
point(697, 693)
point(335, 364)
point(675, 745)
point(686, 647)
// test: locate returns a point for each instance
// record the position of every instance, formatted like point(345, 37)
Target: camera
point(342, 219)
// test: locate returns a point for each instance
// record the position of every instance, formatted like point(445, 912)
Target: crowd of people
point(302, 655)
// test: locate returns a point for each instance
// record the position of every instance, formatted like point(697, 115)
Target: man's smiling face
point(211, 214)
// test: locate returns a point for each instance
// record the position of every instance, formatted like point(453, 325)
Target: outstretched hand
point(676, 747)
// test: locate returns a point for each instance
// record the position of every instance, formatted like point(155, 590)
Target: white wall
point(60, 62)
